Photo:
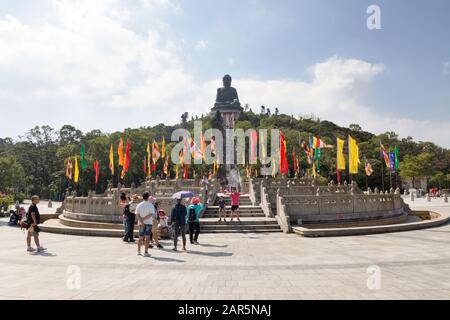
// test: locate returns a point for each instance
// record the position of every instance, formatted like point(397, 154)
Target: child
point(222, 211)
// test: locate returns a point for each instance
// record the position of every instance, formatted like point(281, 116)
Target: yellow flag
point(111, 160)
point(76, 173)
point(340, 154)
point(353, 155)
point(163, 148)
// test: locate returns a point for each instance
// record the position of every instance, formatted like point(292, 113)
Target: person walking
point(129, 212)
point(178, 220)
point(154, 234)
point(145, 212)
point(235, 197)
point(33, 219)
point(193, 219)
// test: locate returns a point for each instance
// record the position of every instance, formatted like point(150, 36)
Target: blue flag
point(392, 161)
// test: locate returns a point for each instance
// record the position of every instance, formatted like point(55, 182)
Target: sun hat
point(135, 197)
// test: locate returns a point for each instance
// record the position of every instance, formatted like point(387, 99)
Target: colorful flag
point(76, 174)
point(166, 166)
point(111, 160)
point(186, 171)
point(368, 168)
point(203, 146)
point(262, 143)
point(96, 168)
point(177, 171)
point(121, 154)
point(284, 165)
point(317, 156)
point(253, 145)
point(83, 160)
point(392, 161)
point(384, 155)
point(149, 157)
point(127, 160)
point(69, 169)
point(353, 155)
point(163, 148)
point(155, 154)
point(340, 154)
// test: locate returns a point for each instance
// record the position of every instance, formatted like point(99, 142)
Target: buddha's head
point(226, 80)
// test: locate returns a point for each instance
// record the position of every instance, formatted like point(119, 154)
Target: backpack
point(126, 210)
point(192, 215)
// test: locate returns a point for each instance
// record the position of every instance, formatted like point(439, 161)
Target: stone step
point(242, 215)
point(55, 226)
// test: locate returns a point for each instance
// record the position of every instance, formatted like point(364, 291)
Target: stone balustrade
point(295, 209)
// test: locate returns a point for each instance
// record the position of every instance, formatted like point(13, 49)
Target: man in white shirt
point(145, 212)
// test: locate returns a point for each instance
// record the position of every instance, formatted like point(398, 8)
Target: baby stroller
point(164, 230)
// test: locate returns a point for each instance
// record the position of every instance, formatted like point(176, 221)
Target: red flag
point(127, 160)
point(253, 143)
point(96, 171)
point(284, 166)
point(186, 172)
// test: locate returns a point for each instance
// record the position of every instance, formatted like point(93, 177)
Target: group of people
point(154, 223)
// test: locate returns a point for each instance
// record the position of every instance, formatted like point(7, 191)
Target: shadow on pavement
point(162, 259)
point(211, 254)
point(213, 245)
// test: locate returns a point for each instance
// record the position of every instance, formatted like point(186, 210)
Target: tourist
point(33, 219)
point(222, 210)
point(163, 225)
point(154, 234)
point(235, 196)
point(130, 216)
point(123, 202)
point(205, 186)
point(178, 220)
point(193, 219)
point(145, 211)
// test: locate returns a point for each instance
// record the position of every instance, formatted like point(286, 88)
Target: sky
point(116, 64)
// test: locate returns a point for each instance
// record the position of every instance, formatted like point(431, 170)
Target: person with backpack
point(33, 219)
point(178, 221)
point(129, 212)
point(193, 219)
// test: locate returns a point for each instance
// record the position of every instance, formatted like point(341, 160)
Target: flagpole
point(382, 175)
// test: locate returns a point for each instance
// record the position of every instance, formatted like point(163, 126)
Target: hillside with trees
point(35, 163)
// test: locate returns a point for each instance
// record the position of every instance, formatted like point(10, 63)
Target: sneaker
point(150, 246)
point(41, 249)
point(160, 246)
point(196, 242)
point(184, 248)
point(139, 254)
point(175, 249)
point(31, 249)
point(132, 241)
point(146, 254)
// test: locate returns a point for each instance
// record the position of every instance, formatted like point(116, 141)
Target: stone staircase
point(252, 219)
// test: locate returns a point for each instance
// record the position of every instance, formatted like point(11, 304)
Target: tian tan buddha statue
point(227, 96)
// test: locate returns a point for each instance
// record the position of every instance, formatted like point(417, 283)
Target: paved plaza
point(411, 265)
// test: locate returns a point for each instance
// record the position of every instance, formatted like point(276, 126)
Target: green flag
point(318, 154)
point(397, 162)
point(83, 160)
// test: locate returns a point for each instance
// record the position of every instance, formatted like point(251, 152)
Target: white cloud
point(92, 71)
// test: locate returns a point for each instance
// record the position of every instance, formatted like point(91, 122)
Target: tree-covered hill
point(35, 164)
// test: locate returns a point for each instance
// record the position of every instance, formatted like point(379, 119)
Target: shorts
point(234, 208)
point(144, 231)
